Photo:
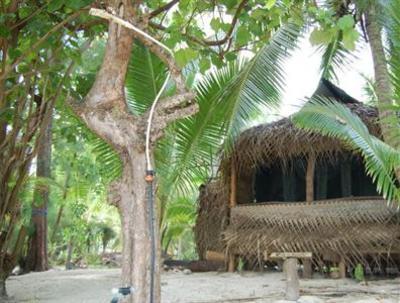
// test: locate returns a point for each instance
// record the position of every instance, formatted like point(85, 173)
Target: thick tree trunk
point(133, 206)
point(37, 259)
point(382, 79)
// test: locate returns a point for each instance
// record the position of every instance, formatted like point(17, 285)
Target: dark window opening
point(344, 177)
point(277, 183)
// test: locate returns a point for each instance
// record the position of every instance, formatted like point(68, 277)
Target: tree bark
point(384, 89)
point(133, 207)
point(37, 259)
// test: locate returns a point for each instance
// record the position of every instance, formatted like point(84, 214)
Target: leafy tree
point(37, 48)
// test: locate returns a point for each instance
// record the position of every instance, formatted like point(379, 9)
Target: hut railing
point(333, 211)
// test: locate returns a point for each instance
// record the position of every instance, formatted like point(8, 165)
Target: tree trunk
point(384, 90)
point(104, 110)
point(61, 209)
point(37, 259)
point(70, 249)
point(133, 206)
point(3, 290)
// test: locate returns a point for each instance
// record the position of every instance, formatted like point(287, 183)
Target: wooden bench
point(290, 269)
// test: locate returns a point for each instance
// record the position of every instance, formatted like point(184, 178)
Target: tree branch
point(165, 56)
point(204, 42)
point(163, 8)
point(171, 109)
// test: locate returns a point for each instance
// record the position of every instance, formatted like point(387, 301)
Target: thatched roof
point(281, 140)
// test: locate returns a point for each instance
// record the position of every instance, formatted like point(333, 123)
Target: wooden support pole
point(345, 177)
point(307, 269)
point(233, 193)
point(342, 268)
point(231, 263)
point(292, 279)
point(310, 178)
point(232, 203)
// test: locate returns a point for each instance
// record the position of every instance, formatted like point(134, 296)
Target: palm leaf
point(333, 119)
point(145, 76)
point(228, 99)
point(334, 57)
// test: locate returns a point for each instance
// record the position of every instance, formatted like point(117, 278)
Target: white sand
point(94, 285)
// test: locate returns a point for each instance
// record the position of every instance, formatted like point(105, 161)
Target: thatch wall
point(212, 217)
point(354, 228)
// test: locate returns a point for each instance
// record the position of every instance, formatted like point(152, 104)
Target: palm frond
point(184, 155)
point(107, 158)
point(145, 76)
point(333, 119)
point(260, 83)
point(228, 99)
point(334, 58)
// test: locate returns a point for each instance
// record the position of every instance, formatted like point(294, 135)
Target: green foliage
point(146, 74)
point(240, 265)
point(359, 273)
point(331, 27)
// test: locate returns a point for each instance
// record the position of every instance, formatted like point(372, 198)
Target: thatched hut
point(283, 189)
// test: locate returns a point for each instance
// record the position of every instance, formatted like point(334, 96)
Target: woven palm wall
point(353, 228)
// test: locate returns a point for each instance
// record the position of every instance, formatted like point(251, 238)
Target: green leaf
point(346, 22)
point(184, 5)
point(270, 4)
point(205, 65)
point(243, 36)
point(4, 31)
point(230, 4)
point(14, 53)
point(184, 55)
point(55, 5)
point(350, 38)
point(320, 36)
point(259, 13)
point(215, 24)
point(77, 4)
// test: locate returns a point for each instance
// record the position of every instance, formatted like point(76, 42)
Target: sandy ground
point(94, 285)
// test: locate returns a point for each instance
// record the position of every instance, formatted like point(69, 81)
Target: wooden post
point(231, 263)
point(233, 193)
point(310, 178)
point(307, 269)
point(342, 268)
point(345, 177)
point(292, 279)
point(321, 184)
point(232, 203)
